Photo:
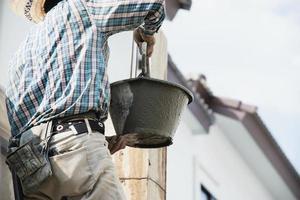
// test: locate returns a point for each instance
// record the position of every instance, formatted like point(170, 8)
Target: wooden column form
point(6, 186)
point(143, 171)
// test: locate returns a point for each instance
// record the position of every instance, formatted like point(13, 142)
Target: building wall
point(255, 157)
point(6, 187)
point(210, 160)
point(12, 32)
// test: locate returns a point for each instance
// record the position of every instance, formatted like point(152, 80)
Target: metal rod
point(145, 60)
point(132, 55)
point(136, 61)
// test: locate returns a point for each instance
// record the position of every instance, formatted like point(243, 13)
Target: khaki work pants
point(82, 170)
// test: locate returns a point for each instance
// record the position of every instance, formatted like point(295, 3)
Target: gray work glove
point(116, 143)
point(140, 37)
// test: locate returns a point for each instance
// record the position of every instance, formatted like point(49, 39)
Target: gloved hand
point(116, 143)
point(140, 37)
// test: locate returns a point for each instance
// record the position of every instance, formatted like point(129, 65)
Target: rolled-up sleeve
point(112, 16)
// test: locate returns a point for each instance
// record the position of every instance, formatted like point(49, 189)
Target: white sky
point(248, 50)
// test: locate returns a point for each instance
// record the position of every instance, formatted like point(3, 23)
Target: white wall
point(211, 160)
point(120, 53)
point(12, 31)
point(254, 157)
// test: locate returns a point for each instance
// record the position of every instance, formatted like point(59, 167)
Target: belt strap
point(79, 126)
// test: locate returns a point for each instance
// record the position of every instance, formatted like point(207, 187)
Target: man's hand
point(116, 143)
point(140, 37)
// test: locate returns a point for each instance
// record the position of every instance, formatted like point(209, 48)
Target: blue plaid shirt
point(61, 67)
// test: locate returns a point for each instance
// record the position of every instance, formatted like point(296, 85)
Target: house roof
point(206, 105)
point(248, 116)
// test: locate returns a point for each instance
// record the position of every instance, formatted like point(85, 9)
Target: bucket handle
point(145, 62)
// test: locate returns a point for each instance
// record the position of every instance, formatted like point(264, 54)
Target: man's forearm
point(122, 15)
point(154, 19)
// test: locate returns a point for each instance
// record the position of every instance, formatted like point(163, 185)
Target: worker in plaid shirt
point(59, 73)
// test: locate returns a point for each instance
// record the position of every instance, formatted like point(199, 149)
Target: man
point(59, 77)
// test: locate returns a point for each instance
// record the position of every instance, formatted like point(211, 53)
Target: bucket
point(147, 111)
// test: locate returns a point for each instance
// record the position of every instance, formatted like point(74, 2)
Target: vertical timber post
point(143, 171)
point(9, 188)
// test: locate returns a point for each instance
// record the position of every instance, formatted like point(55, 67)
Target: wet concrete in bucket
point(147, 110)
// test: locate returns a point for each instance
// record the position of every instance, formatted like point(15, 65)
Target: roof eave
point(247, 115)
point(264, 139)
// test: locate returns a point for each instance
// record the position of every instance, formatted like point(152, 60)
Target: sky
point(248, 50)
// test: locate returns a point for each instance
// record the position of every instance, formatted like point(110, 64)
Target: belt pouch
point(30, 160)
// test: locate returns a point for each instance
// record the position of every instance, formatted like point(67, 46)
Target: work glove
point(140, 37)
point(116, 143)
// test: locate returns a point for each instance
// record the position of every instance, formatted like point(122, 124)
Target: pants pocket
point(72, 172)
point(97, 151)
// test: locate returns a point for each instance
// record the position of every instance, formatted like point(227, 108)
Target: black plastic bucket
point(147, 110)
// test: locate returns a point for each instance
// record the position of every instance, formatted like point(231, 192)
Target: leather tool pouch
point(30, 160)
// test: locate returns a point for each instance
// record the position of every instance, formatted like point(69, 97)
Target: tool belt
point(28, 157)
point(28, 154)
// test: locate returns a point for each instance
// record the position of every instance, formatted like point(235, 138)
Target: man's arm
point(112, 16)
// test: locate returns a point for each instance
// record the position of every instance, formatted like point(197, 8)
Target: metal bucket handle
point(145, 63)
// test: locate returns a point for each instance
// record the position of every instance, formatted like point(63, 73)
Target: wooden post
point(143, 171)
point(9, 186)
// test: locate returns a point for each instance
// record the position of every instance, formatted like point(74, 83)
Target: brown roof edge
point(231, 103)
point(198, 107)
point(260, 133)
point(201, 88)
point(248, 116)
